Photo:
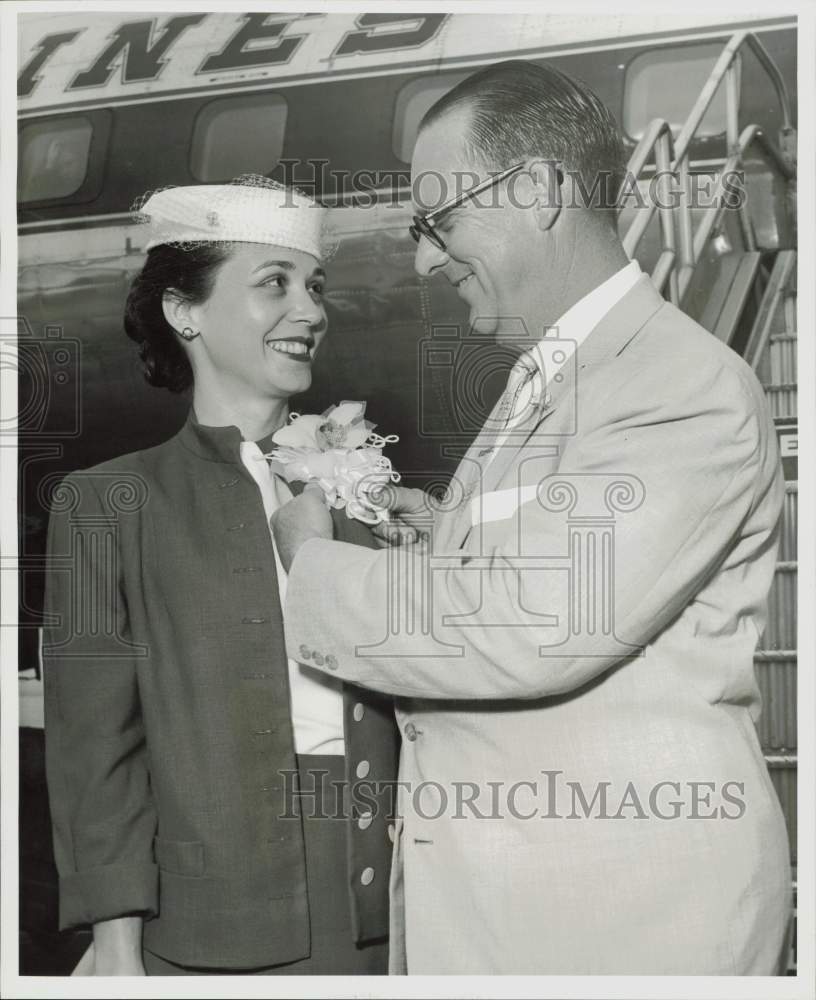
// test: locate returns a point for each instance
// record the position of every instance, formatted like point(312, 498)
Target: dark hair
point(191, 273)
point(521, 109)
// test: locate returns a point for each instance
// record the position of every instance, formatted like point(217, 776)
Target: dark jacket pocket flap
point(182, 857)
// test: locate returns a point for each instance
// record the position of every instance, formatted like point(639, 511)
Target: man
point(583, 789)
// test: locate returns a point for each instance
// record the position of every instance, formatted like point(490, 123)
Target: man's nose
point(428, 257)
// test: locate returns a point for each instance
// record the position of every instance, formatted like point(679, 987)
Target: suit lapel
point(606, 340)
point(623, 321)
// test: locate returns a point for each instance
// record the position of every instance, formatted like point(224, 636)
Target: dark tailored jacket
point(167, 714)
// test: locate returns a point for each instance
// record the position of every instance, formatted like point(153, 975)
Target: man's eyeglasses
point(424, 225)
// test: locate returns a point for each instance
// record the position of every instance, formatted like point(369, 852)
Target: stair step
point(783, 774)
point(790, 515)
point(781, 760)
point(782, 398)
point(778, 365)
point(775, 671)
point(780, 630)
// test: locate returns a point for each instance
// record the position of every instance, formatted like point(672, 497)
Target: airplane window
point(665, 83)
point(238, 135)
point(53, 158)
point(413, 101)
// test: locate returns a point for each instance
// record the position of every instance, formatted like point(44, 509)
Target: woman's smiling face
point(262, 322)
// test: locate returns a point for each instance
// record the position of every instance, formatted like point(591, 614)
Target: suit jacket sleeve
point(96, 760)
point(347, 529)
point(705, 454)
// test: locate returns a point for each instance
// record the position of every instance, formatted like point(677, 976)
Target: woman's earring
point(189, 333)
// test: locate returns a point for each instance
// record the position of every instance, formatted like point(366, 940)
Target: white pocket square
point(499, 505)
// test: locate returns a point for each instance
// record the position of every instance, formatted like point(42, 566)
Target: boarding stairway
point(773, 356)
point(733, 269)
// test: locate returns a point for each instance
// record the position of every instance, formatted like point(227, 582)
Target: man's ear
point(176, 310)
point(546, 178)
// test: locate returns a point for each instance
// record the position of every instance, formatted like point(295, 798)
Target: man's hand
point(412, 514)
point(304, 517)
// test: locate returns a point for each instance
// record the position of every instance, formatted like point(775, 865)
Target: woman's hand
point(116, 949)
point(304, 517)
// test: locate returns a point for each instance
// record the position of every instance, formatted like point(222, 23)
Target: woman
point(180, 742)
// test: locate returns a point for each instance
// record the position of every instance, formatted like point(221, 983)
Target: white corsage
point(340, 452)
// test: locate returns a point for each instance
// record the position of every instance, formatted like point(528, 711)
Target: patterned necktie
point(512, 405)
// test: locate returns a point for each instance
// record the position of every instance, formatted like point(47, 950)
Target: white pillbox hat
point(251, 209)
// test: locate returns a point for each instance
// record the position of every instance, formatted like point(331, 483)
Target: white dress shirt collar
point(581, 319)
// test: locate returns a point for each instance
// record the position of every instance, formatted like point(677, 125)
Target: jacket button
point(364, 822)
point(363, 768)
point(367, 876)
point(237, 527)
point(358, 712)
point(305, 652)
point(318, 659)
point(331, 662)
point(410, 732)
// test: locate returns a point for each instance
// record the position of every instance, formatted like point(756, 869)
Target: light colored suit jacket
point(573, 655)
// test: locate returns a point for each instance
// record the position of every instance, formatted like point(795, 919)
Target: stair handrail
point(784, 270)
point(751, 135)
point(727, 65)
point(658, 138)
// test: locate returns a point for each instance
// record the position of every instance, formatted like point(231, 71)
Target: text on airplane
point(145, 49)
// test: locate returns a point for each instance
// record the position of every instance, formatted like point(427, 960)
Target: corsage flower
point(340, 452)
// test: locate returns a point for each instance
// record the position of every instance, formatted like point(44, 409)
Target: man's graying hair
point(522, 110)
